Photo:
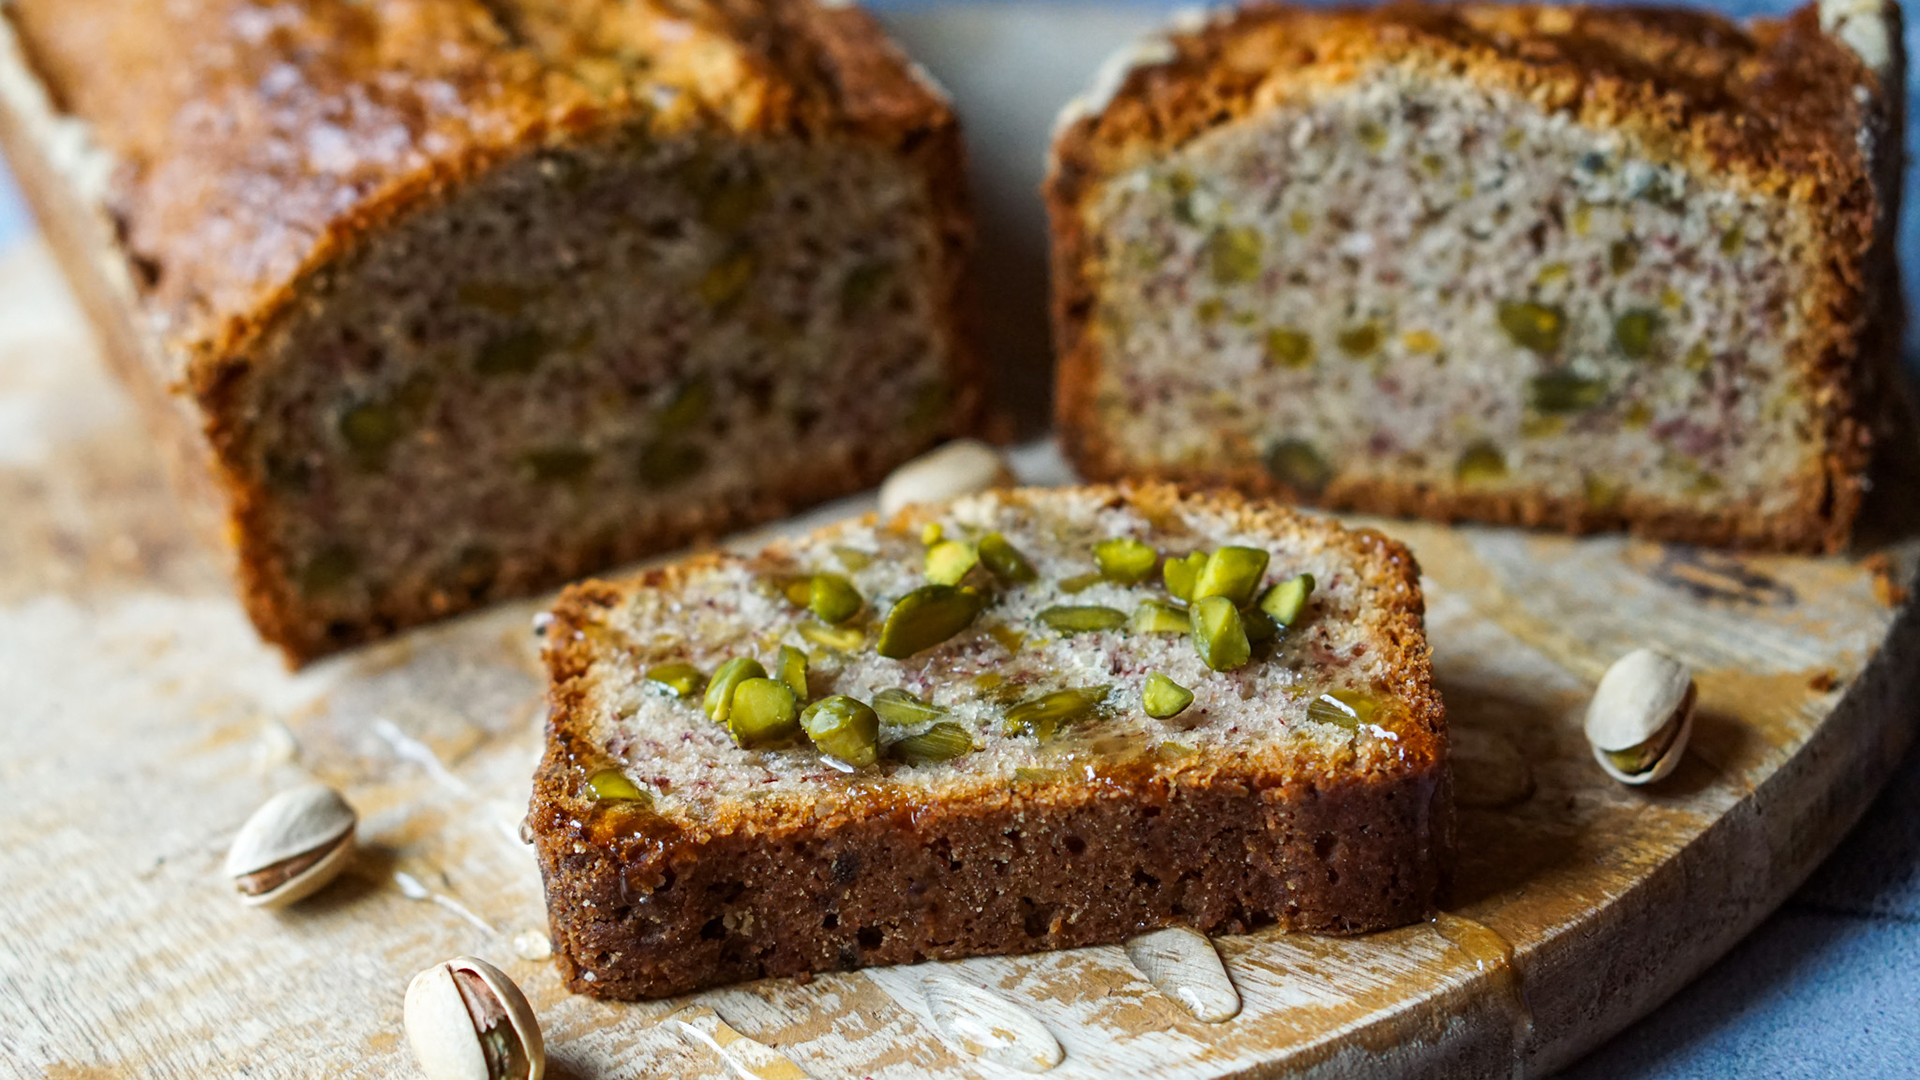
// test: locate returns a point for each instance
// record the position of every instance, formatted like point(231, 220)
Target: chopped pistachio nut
point(931, 533)
point(681, 679)
point(853, 558)
point(689, 406)
point(1259, 625)
point(1125, 560)
point(1552, 272)
point(1004, 560)
point(370, 429)
point(897, 706)
point(1621, 256)
point(841, 638)
point(559, 464)
point(1158, 617)
point(1633, 331)
point(1181, 573)
point(1601, 493)
point(1343, 708)
point(612, 785)
point(330, 569)
point(763, 712)
point(1163, 698)
point(790, 667)
point(1219, 635)
point(1733, 240)
point(1233, 572)
point(1070, 619)
point(1295, 463)
point(514, 353)
point(1421, 342)
point(949, 560)
point(1360, 341)
point(1371, 134)
point(1009, 638)
point(1284, 602)
point(1043, 716)
point(941, 742)
point(1234, 255)
point(1081, 582)
point(726, 281)
point(863, 287)
point(926, 617)
point(727, 678)
point(1288, 348)
point(1480, 461)
point(664, 464)
point(833, 598)
point(1037, 776)
point(1560, 392)
point(1533, 326)
point(797, 590)
point(844, 728)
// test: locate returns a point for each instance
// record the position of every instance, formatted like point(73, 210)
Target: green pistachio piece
point(1233, 255)
point(845, 728)
point(1081, 582)
point(689, 406)
point(1037, 776)
point(1219, 635)
point(853, 558)
point(1043, 716)
point(841, 638)
point(718, 701)
point(1481, 461)
point(1289, 348)
point(1533, 326)
point(1621, 256)
point(1295, 463)
point(790, 667)
point(370, 429)
point(1260, 626)
point(559, 464)
point(1284, 602)
point(941, 742)
point(897, 706)
point(1633, 331)
point(726, 281)
point(1163, 698)
point(797, 590)
point(1233, 572)
point(764, 712)
point(931, 533)
point(1559, 392)
point(1343, 708)
point(1360, 341)
point(949, 560)
point(612, 785)
point(681, 679)
point(514, 353)
point(1081, 619)
point(1125, 560)
point(926, 617)
point(833, 598)
point(863, 287)
point(1181, 573)
point(1159, 617)
point(330, 569)
point(1004, 560)
point(665, 463)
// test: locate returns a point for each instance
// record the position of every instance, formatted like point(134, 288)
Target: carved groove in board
point(1184, 965)
point(984, 1023)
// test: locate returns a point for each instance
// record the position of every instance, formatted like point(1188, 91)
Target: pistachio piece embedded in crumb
point(718, 701)
point(763, 712)
point(941, 742)
point(681, 679)
point(1218, 633)
point(1081, 619)
point(1125, 560)
point(1005, 561)
point(926, 617)
point(897, 706)
point(1043, 716)
point(1163, 698)
point(612, 785)
point(845, 728)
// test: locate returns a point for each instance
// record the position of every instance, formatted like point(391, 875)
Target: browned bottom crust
point(639, 916)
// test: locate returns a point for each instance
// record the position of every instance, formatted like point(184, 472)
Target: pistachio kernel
point(790, 667)
point(1042, 717)
point(726, 281)
point(558, 464)
point(926, 617)
point(1481, 461)
point(514, 353)
point(1561, 392)
point(1259, 625)
point(1633, 331)
point(1163, 698)
point(762, 712)
point(863, 286)
point(1180, 574)
point(897, 706)
point(1360, 341)
point(833, 598)
point(1343, 708)
point(1288, 348)
point(1233, 572)
point(666, 463)
point(1080, 583)
point(612, 785)
point(1159, 617)
point(1295, 463)
point(1284, 602)
point(370, 429)
point(844, 728)
point(1537, 327)
point(1219, 635)
point(949, 560)
point(1071, 619)
point(330, 570)
point(1621, 256)
point(1125, 560)
point(718, 701)
point(1004, 560)
point(941, 742)
point(679, 678)
point(854, 559)
point(840, 638)
point(1233, 255)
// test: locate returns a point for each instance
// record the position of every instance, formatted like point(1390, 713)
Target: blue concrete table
point(1828, 987)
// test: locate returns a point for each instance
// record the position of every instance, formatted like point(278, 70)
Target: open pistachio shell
point(292, 846)
point(1641, 716)
point(466, 1020)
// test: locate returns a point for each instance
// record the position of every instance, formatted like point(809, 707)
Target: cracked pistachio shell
point(295, 843)
point(961, 467)
point(1641, 716)
point(466, 1020)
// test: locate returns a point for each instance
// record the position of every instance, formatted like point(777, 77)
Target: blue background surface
point(1830, 985)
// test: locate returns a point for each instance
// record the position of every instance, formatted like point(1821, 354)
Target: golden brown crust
point(644, 907)
point(1769, 106)
point(256, 151)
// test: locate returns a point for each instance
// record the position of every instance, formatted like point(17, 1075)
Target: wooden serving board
point(142, 721)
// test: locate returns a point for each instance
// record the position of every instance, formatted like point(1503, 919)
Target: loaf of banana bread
point(1563, 266)
point(1017, 721)
point(445, 300)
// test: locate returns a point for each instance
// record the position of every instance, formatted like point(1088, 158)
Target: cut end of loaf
point(1253, 806)
point(588, 354)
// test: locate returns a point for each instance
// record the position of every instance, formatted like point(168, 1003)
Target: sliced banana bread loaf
point(453, 299)
point(1022, 720)
point(1564, 266)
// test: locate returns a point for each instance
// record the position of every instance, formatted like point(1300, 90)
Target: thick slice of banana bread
point(1563, 266)
point(453, 299)
point(1056, 757)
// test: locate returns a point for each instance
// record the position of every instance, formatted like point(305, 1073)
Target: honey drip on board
point(1493, 956)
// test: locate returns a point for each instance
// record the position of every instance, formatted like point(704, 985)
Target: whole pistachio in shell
point(466, 1020)
point(1641, 716)
point(961, 467)
point(292, 846)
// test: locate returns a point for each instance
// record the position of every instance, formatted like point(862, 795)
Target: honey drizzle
point(1492, 956)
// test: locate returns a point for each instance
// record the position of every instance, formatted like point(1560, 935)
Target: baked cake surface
point(1306, 786)
point(1565, 266)
point(447, 300)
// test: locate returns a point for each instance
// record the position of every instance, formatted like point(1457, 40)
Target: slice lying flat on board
point(1573, 267)
point(1115, 709)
